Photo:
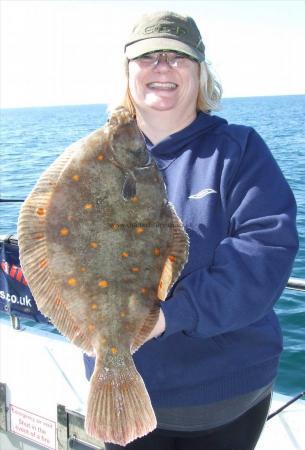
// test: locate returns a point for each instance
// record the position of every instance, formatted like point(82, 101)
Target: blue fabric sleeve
point(252, 263)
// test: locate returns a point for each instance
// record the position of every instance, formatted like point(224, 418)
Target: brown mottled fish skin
point(100, 246)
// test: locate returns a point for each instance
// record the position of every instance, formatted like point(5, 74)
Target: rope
point(11, 200)
point(294, 399)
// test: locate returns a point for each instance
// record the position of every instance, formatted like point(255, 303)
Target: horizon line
point(105, 104)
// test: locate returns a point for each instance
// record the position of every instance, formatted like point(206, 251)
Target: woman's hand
point(159, 328)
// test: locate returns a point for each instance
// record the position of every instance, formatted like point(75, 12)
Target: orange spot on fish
point(135, 269)
point(125, 254)
point(75, 177)
point(139, 230)
point(91, 327)
point(64, 231)
point(114, 350)
point(93, 244)
point(72, 282)
point(57, 301)
point(135, 199)
point(38, 236)
point(115, 226)
point(103, 283)
point(88, 206)
point(43, 263)
point(40, 211)
point(157, 251)
point(83, 269)
point(161, 284)
point(172, 258)
point(93, 305)
point(100, 157)
point(122, 314)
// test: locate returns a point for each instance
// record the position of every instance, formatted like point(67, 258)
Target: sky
point(67, 52)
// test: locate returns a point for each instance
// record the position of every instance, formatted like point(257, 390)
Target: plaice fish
point(100, 247)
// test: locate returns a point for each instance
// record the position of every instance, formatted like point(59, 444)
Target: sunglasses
point(173, 59)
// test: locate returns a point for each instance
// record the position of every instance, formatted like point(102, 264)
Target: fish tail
point(119, 409)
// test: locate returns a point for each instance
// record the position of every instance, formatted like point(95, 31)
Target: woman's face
point(164, 88)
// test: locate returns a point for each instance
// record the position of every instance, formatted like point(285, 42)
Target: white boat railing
point(296, 284)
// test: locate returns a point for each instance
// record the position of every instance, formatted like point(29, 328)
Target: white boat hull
point(41, 370)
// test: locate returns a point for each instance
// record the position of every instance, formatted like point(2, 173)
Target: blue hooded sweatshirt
point(222, 337)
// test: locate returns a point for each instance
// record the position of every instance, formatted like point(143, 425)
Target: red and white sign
point(33, 427)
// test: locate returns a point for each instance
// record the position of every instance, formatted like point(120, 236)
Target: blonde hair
point(210, 90)
point(209, 95)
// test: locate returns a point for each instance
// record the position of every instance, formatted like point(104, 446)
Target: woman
point(210, 363)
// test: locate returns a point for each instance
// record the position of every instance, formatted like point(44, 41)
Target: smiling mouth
point(166, 86)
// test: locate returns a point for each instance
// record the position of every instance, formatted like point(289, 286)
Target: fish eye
point(138, 150)
point(140, 156)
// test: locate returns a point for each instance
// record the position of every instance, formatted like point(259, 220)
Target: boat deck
point(42, 370)
point(285, 431)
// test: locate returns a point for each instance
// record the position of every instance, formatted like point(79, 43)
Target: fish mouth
point(168, 86)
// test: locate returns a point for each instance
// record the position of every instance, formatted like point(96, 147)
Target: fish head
point(128, 147)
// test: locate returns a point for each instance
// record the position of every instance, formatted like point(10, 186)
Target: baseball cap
point(165, 30)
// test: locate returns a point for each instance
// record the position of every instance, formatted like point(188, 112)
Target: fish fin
point(49, 178)
point(145, 329)
point(119, 409)
point(177, 256)
point(34, 255)
point(129, 189)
